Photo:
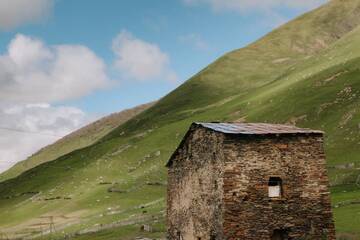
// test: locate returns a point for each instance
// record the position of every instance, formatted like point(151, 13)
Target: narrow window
point(179, 237)
point(275, 187)
point(279, 235)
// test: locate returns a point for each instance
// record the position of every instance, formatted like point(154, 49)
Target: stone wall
point(303, 211)
point(195, 188)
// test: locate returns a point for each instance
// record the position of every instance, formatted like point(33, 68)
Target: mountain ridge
point(80, 138)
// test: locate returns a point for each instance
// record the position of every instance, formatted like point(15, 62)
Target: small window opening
point(199, 238)
point(275, 187)
point(279, 235)
point(178, 236)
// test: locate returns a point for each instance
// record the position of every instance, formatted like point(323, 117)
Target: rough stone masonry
point(249, 182)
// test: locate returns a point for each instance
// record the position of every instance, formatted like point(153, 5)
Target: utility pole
point(50, 223)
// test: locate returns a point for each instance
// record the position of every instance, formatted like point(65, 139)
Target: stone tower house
point(249, 182)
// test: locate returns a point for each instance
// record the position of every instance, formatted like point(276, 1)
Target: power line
point(28, 132)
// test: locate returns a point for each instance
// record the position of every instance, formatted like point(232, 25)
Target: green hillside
point(307, 73)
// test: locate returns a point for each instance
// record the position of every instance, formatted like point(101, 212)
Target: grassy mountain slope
point(76, 140)
point(305, 73)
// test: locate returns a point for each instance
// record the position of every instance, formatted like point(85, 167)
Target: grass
point(317, 86)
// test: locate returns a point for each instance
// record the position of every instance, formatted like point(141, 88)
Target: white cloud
point(17, 12)
point(34, 75)
point(195, 40)
point(38, 125)
point(141, 60)
point(244, 6)
point(32, 72)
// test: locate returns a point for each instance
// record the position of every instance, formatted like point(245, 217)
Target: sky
point(65, 63)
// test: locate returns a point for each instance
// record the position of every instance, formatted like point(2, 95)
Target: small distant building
point(249, 182)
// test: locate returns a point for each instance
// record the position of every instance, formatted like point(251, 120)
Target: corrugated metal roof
point(257, 128)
